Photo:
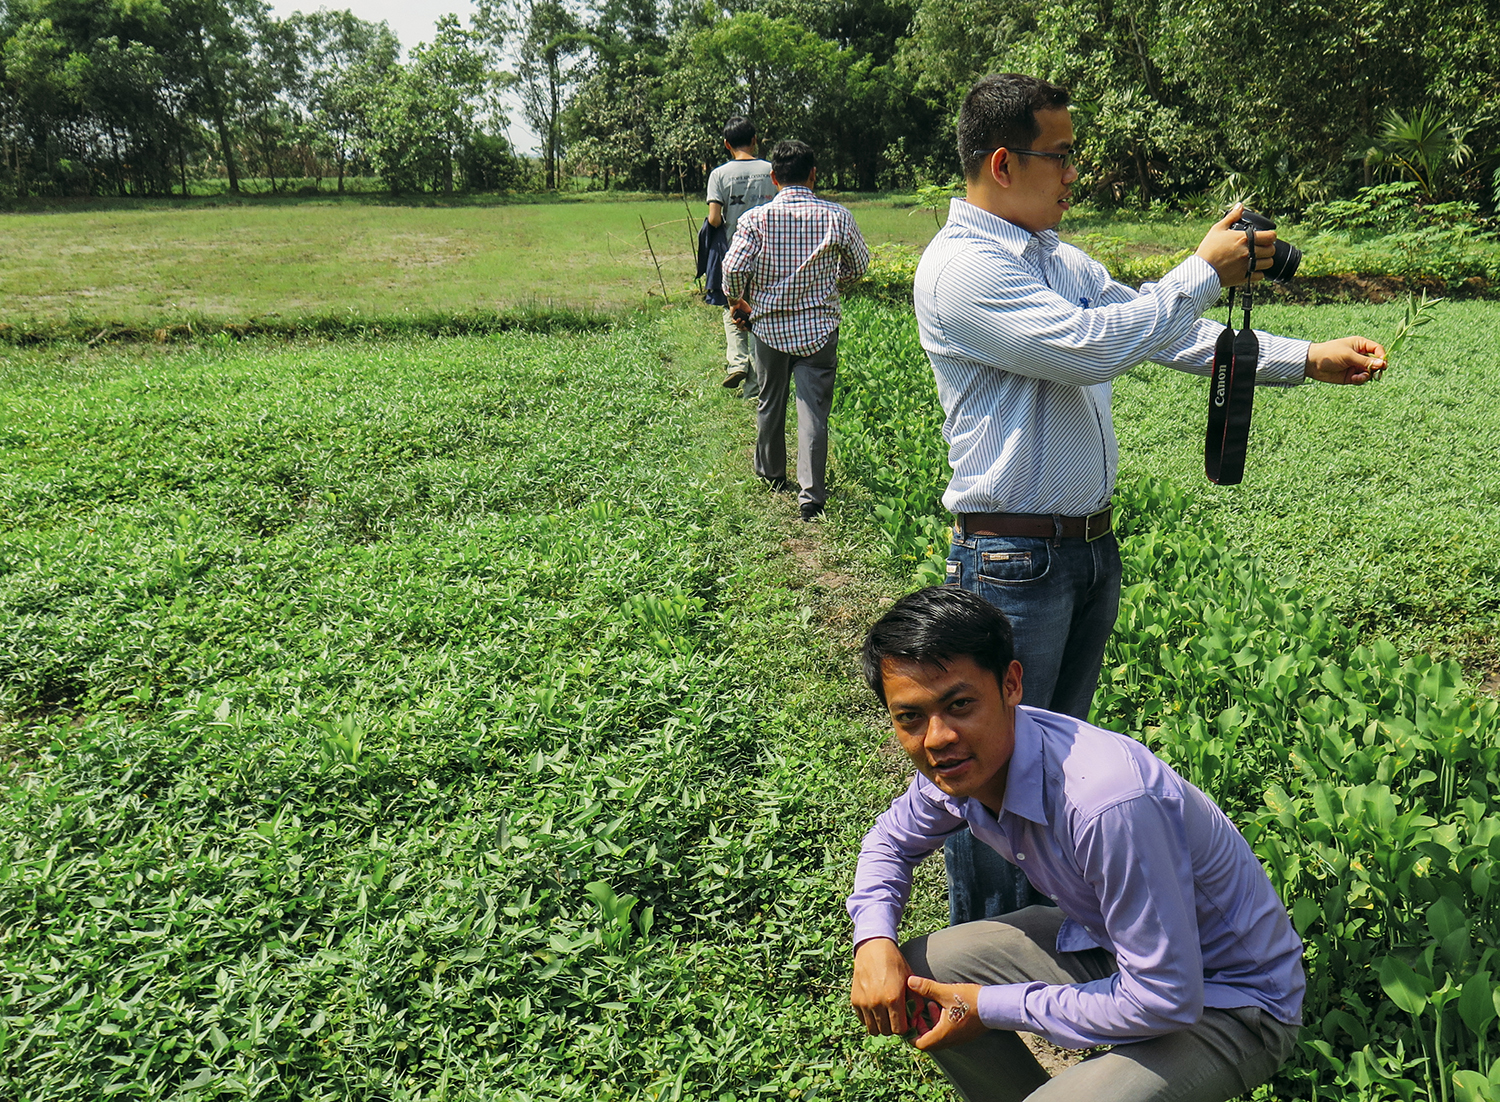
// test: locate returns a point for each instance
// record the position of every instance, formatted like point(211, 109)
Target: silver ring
point(958, 1011)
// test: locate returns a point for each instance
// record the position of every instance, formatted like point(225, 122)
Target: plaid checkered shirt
point(787, 260)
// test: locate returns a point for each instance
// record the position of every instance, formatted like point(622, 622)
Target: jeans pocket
point(1015, 566)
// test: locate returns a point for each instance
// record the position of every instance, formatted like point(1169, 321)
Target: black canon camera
point(1285, 259)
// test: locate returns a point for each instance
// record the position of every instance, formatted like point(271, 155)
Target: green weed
point(407, 720)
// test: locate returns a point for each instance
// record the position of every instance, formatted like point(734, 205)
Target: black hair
point(934, 626)
point(1000, 112)
point(739, 132)
point(792, 162)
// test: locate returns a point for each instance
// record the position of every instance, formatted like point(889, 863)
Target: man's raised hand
point(1227, 251)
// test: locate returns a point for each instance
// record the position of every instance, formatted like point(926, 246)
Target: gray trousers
point(814, 374)
point(737, 355)
point(1228, 1053)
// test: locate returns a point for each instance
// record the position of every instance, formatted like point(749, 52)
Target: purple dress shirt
point(1143, 864)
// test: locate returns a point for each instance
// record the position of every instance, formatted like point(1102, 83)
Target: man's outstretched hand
point(947, 1013)
point(1351, 360)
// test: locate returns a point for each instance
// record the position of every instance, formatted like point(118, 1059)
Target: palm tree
point(1420, 145)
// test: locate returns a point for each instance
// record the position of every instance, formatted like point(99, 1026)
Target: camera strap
point(1231, 393)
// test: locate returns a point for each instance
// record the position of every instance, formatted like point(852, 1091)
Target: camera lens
point(1284, 261)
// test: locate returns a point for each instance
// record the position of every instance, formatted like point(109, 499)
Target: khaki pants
point(1228, 1053)
point(739, 355)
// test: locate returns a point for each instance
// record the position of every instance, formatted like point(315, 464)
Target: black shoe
point(811, 511)
point(734, 379)
point(782, 486)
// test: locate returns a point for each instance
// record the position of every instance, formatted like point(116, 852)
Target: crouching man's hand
point(947, 1013)
point(878, 992)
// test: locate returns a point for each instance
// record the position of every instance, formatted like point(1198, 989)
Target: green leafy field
point(455, 718)
point(1381, 497)
point(434, 719)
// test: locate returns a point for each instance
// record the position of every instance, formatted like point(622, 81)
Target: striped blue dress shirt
point(1025, 334)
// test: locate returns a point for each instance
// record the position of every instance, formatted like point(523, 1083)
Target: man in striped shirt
point(784, 266)
point(1025, 335)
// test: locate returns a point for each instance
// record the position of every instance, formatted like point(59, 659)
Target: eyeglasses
point(1068, 159)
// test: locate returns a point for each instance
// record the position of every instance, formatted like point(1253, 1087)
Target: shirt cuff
point(1003, 1005)
point(877, 922)
point(1283, 360)
point(1198, 280)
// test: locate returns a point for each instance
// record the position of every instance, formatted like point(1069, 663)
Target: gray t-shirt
point(740, 185)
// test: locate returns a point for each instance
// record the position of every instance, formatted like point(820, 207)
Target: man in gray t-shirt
point(734, 187)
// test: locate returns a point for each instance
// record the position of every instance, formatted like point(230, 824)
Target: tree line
point(1292, 102)
point(142, 97)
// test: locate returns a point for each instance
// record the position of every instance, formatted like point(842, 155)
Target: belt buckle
point(1089, 535)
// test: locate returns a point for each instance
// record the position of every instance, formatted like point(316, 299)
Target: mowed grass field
point(164, 263)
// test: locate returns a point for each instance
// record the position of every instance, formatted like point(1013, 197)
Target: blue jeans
point(1061, 599)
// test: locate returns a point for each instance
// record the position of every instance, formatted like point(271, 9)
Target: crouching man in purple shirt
point(1167, 941)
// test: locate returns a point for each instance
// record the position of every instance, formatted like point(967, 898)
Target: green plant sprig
point(1418, 313)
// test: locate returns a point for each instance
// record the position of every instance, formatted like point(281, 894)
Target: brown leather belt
point(1043, 526)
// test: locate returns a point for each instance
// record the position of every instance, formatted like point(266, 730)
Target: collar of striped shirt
point(978, 222)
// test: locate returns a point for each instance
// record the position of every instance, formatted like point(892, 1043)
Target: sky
point(413, 21)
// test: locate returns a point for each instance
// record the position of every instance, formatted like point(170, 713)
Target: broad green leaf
point(1304, 913)
point(204, 1077)
point(1402, 986)
point(1342, 1019)
point(1382, 806)
point(1444, 918)
point(1476, 1004)
point(601, 893)
point(1470, 1086)
point(1282, 807)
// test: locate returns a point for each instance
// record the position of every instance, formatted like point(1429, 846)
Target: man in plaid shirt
point(782, 273)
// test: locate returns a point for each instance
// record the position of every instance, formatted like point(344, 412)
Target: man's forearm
point(1008, 318)
point(1081, 1016)
point(736, 283)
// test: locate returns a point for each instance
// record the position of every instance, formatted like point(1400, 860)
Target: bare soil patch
point(1375, 288)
